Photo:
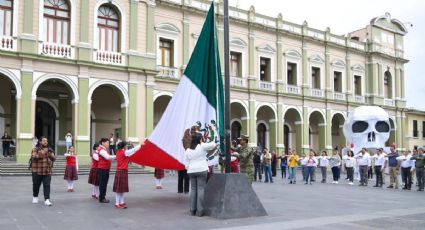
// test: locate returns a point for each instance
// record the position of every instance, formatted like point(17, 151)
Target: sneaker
point(350, 183)
point(336, 182)
point(119, 206)
point(104, 201)
point(35, 200)
point(123, 205)
point(48, 203)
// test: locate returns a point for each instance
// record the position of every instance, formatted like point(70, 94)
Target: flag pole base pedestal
point(229, 196)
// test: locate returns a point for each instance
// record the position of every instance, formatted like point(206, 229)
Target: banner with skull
point(367, 126)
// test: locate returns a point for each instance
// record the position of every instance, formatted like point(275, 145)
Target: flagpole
point(226, 85)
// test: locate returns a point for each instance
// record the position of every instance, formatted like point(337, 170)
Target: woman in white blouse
point(197, 168)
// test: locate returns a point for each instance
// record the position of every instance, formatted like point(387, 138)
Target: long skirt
point(94, 177)
point(121, 181)
point(159, 173)
point(70, 173)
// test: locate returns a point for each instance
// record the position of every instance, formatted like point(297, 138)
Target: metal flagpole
point(226, 85)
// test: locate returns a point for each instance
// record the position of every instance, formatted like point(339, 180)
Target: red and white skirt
point(70, 173)
point(121, 181)
point(159, 173)
point(94, 177)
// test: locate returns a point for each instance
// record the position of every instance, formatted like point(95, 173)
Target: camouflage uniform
point(246, 164)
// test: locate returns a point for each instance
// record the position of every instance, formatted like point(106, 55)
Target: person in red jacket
point(94, 176)
point(103, 168)
point(121, 175)
point(71, 173)
point(234, 161)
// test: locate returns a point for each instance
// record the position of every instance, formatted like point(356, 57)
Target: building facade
point(111, 66)
point(415, 131)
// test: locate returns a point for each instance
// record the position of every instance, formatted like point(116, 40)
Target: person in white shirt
point(323, 164)
point(311, 164)
point(303, 162)
point(407, 166)
point(68, 140)
point(380, 163)
point(363, 159)
point(349, 163)
point(335, 164)
point(197, 168)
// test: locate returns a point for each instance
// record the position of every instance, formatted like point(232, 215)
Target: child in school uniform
point(121, 175)
point(94, 176)
point(71, 170)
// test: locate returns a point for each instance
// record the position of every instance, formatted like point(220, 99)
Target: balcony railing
point(293, 89)
point(317, 93)
point(266, 85)
point(107, 57)
point(388, 102)
point(339, 96)
point(56, 50)
point(238, 81)
point(359, 99)
point(7, 43)
point(167, 72)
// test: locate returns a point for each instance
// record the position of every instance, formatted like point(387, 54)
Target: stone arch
point(317, 110)
point(15, 81)
point(52, 104)
point(160, 94)
point(234, 101)
point(266, 105)
point(68, 82)
point(294, 108)
point(123, 91)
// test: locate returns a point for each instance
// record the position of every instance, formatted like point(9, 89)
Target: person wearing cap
point(419, 167)
point(246, 158)
point(394, 166)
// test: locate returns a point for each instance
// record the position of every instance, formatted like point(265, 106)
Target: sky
point(343, 17)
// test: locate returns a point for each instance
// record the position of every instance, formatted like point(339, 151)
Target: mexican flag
point(198, 101)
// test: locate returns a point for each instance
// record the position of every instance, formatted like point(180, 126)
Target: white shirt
point(379, 160)
point(106, 155)
point(405, 161)
point(68, 138)
point(363, 159)
point(349, 161)
point(323, 161)
point(196, 159)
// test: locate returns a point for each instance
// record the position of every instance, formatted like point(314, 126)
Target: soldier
point(245, 157)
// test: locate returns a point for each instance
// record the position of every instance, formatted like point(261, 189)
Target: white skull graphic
point(367, 126)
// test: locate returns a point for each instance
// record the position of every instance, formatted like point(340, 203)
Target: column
point(280, 65)
point(245, 126)
point(399, 131)
point(280, 129)
point(298, 136)
point(397, 84)
point(82, 114)
point(27, 38)
point(402, 93)
point(305, 137)
point(327, 128)
point(252, 124)
point(124, 121)
point(84, 47)
point(13, 110)
point(350, 81)
point(186, 39)
point(132, 112)
point(133, 23)
point(150, 83)
point(272, 134)
point(323, 137)
point(252, 78)
point(328, 75)
point(150, 34)
point(305, 77)
point(26, 110)
point(380, 81)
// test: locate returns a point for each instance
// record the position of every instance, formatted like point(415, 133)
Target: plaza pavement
point(317, 206)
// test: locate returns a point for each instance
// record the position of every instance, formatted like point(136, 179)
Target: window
point(6, 10)
point(357, 85)
point(236, 130)
point(56, 21)
point(166, 52)
point(337, 81)
point(108, 28)
point(265, 69)
point(261, 135)
point(415, 128)
point(291, 76)
point(423, 129)
point(387, 85)
point(315, 78)
point(235, 64)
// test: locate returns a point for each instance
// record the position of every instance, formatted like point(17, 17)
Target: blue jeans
point(268, 172)
point(283, 169)
point(292, 174)
point(310, 172)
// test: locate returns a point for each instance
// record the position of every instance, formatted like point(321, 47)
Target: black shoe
point(404, 188)
point(390, 186)
point(104, 201)
point(192, 213)
point(290, 182)
point(200, 213)
point(179, 192)
point(376, 186)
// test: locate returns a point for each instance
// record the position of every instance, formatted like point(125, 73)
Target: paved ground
point(317, 206)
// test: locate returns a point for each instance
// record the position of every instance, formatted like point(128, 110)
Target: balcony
point(359, 99)
point(293, 89)
point(56, 50)
point(107, 57)
point(389, 102)
point(167, 72)
point(339, 96)
point(238, 82)
point(7, 43)
point(317, 93)
point(266, 85)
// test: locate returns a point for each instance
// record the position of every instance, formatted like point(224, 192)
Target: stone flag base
point(229, 196)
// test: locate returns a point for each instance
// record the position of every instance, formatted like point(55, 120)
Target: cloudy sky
point(346, 16)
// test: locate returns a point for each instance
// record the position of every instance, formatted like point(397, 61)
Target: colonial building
point(415, 129)
point(111, 66)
